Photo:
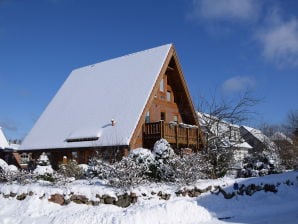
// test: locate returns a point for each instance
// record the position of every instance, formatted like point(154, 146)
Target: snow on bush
point(3, 165)
point(13, 168)
point(163, 150)
point(71, 170)
point(84, 167)
point(43, 160)
point(42, 170)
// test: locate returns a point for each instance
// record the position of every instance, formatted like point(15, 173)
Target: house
point(8, 151)
point(262, 145)
point(225, 135)
point(117, 105)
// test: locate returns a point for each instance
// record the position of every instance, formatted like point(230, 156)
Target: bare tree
point(218, 119)
point(285, 136)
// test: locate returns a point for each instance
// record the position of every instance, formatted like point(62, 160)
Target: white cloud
point(238, 84)
point(280, 43)
point(226, 10)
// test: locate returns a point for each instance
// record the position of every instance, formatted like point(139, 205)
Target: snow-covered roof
point(258, 134)
point(244, 145)
point(93, 96)
point(3, 141)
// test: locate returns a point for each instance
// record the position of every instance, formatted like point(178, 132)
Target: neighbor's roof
point(3, 141)
point(94, 95)
point(258, 134)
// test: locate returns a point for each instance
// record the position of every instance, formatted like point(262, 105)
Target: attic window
point(161, 86)
point(168, 96)
point(82, 139)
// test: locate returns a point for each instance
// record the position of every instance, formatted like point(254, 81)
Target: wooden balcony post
point(187, 137)
point(198, 138)
point(176, 136)
point(162, 129)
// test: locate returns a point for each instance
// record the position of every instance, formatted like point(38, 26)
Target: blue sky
point(226, 46)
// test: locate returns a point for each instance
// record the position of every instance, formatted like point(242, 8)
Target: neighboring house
point(117, 105)
point(222, 134)
point(261, 143)
point(8, 151)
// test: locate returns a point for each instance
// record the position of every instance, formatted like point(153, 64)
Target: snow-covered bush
point(44, 173)
point(134, 169)
point(128, 172)
point(71, 170)
point(163, 150)
point(98, 168)
point(259, 166)
point(43, 160)
point(41, 170)
point(183, 170)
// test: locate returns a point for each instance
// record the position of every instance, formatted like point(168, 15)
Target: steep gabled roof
point(3, 141)
point(92, 96)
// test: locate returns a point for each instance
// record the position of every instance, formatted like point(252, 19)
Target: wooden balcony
point(178, 136)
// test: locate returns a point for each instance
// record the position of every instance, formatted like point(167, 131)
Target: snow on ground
point(262, 207)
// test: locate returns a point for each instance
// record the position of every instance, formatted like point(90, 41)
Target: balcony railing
point(178, 135)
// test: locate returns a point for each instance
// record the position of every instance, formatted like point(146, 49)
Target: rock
point(133, 197)
point(184, 193)
point(193, 193)
point(79, 199)
point(12, 194)
point(165, 196)
point(153, 193)
point(225, 194)
point(123, 201)
point(270, 188)
point(58, 199)
point(204, 190)
point(30, 193)
point(6, 195)
point(95, 203)
point(97, 196)
point(66, 201)
point(109, 200)
point(178, 193)
point(21, 196)
point(42, 196)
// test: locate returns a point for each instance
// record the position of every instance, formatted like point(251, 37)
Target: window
point(74, 155)
point(162, 116)
point(175, 118)
point(161, 86)
point(147, 118)
point(25, 158)
point(168, 96)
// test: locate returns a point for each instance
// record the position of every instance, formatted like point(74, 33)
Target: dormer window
point(161, 86)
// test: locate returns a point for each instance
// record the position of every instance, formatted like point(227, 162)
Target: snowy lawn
point(261, 207)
